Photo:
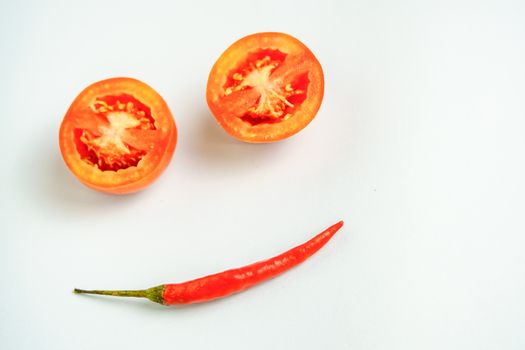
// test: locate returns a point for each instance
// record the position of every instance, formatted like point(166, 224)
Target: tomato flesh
point(118, 135)
point(260, 89)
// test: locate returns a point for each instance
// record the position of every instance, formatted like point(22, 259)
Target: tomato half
point(265, 87)
point(118, 135)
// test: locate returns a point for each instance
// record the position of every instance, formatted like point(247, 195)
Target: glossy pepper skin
point(227, 282)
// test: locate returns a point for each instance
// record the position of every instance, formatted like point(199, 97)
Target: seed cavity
point(105, 147)
point(276, 102)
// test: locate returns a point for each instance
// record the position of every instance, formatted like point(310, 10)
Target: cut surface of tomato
point(265, 87)
point(118, 135)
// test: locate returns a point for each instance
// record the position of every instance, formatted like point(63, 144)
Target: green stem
point(115, 293)
point(154, 294)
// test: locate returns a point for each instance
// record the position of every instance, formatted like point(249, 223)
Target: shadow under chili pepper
point(144, 304)
point(128, 303)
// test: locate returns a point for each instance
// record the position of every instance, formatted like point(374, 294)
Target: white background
point(419, 147)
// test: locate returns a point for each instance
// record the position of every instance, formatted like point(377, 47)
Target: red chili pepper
point(227, 282)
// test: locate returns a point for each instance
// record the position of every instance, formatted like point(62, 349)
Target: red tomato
point(118, 135)
point(265, 87)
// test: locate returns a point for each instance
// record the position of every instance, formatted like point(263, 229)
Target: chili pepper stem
point(154, 294)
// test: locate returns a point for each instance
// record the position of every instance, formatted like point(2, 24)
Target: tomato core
point(278, 100)
point(105, 147)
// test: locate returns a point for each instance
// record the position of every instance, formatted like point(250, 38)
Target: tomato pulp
point(265, 87)
point(118, 135)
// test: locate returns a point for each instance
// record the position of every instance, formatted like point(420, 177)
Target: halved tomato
point(265, 87)
point(118, 135)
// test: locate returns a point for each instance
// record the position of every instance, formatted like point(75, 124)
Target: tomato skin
point(159, 144)
point(227, 109)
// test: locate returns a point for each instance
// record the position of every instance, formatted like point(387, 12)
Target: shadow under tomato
point(213, 146)
point(51, 186)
